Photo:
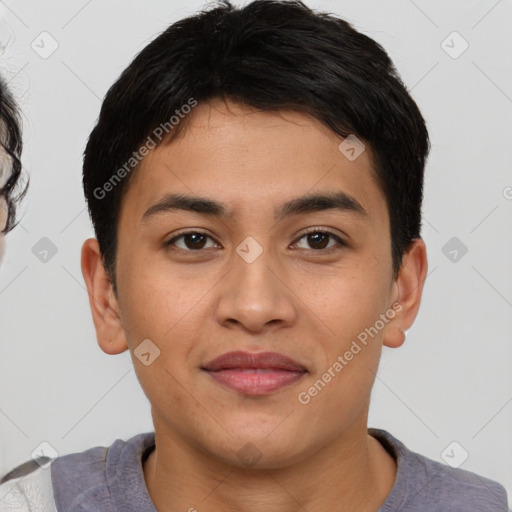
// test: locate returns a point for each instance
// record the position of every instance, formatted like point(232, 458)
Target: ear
point(104, 305)
point(408, 291)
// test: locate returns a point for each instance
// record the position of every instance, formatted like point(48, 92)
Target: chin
point(259, 448)
point(260, 456)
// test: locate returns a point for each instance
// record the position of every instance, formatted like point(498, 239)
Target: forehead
point(253, 159)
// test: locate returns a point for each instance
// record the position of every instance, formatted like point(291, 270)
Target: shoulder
point(461, 489)
point(43, 484)
point(432, 486)
point(100, 478)
point(27, 488)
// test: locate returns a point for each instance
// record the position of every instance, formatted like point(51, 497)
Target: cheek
point(350, 306)
point(172, 314)
point(158, 302)
point(347, 300)
point(168, 317)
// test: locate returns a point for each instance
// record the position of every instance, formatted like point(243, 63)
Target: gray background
point(451, 381)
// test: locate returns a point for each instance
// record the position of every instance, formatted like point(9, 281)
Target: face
point(257, 266)
point(5, 166)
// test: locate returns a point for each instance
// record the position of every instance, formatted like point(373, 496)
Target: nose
point(254, 295)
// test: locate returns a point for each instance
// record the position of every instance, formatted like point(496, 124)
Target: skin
point(305, 302)
point(5, 166)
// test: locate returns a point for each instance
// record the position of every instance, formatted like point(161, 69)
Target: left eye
point(320, 240)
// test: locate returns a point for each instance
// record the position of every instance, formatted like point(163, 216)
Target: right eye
point(191, 241)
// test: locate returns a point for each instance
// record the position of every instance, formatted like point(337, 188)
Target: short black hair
point(11, 146)
point(271, 55)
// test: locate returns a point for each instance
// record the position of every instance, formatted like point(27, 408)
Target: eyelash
point(310, 231)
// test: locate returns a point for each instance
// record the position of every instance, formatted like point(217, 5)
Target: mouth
point(255, 373)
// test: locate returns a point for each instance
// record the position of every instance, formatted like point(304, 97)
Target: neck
point(354, 472)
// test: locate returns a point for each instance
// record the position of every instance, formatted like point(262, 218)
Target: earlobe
point(409, 286)
point(103, 302)
point(394, 336)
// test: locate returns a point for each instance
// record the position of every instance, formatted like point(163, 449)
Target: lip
point(254, 373)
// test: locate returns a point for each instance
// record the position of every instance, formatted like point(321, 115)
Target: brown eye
point(318, 240)
point(191, 241)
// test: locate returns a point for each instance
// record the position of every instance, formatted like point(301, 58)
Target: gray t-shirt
point(112, 480)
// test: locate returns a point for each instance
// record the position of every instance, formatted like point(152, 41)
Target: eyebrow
point(306, 204)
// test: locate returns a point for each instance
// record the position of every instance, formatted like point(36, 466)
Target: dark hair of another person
point(10, 144)
point(271, 55)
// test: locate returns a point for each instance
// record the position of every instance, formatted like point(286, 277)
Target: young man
point(10, 164)
point(255, 182)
